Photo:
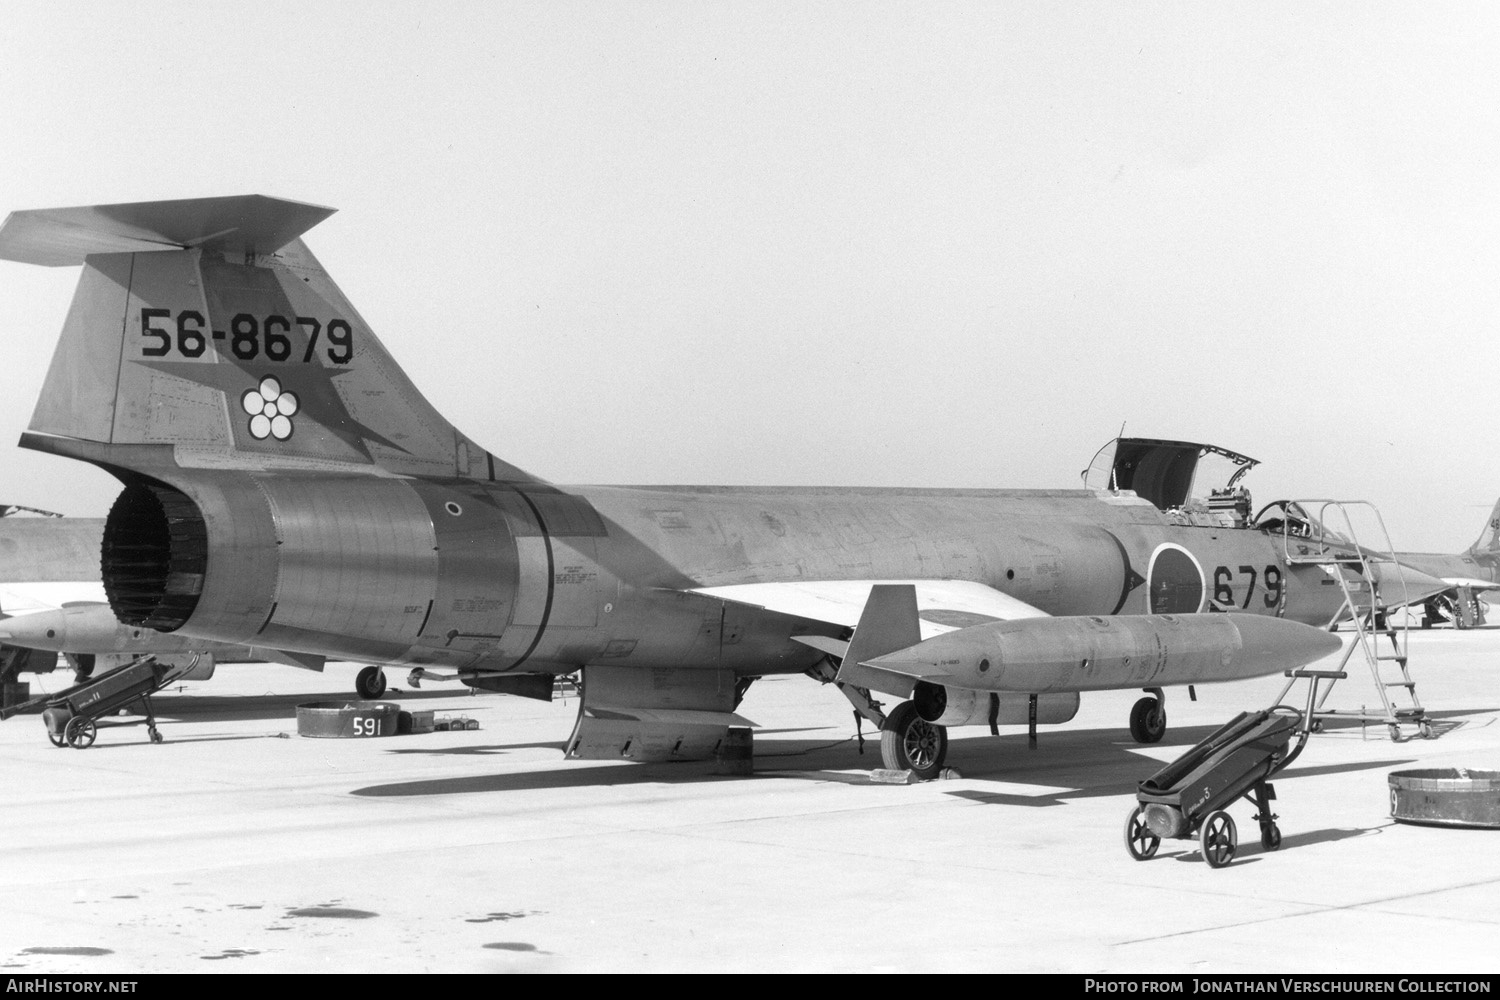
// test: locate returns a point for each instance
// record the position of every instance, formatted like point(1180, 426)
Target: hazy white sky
point(834, 243)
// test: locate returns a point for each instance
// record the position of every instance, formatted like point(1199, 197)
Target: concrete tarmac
point(237, 845)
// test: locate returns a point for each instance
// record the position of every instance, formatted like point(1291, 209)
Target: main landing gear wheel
point(370, 684)
point(1148, 721)
point(909, 742)
point(1139, 840)
point(1217, 839)
point(80, 733)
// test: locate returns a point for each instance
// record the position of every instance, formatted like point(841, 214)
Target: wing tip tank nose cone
point(1288, 642)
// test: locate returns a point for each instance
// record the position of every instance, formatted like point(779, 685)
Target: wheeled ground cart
point(72, 715)
point(1190, 794)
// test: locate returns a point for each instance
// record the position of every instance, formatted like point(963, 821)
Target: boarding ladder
point(1365, 574)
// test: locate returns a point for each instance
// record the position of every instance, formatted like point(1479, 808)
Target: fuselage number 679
point(1270, 580)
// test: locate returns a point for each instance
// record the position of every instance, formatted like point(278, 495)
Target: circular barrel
point(346, 720)
point(1447, 796)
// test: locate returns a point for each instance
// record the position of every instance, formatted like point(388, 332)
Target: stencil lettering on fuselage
point(1174, 582)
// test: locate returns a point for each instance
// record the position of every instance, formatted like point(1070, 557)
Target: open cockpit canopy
point(1175, 475)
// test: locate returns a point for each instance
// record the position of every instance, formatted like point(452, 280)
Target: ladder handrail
point(1339, 554)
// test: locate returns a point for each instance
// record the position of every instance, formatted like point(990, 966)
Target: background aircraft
point(52, 601)
point(286, 486)
point(1469, 573)
point(46, 562)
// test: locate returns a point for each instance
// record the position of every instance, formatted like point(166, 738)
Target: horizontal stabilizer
point(242, 224)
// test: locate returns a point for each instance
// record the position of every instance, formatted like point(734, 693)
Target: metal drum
point(338, 719)
point(1446, 796)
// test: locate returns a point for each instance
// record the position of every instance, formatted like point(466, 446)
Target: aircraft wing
point(19, 598)
point(969, 636)
point(942, 605)
point(1471, 582)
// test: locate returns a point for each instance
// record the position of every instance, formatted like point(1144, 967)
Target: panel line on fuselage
point(541, 628)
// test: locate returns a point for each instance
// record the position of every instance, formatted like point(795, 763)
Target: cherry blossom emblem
point(271, 408)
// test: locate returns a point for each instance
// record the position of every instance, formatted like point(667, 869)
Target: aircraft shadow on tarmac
point(583, 776)
point(500, 748)
point(1088, 764)
point(813, 754)
point(983, 764)
point(1077, 763)
point(242, 708)
point(464, 751)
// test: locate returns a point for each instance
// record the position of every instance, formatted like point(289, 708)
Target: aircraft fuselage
point(501, 577)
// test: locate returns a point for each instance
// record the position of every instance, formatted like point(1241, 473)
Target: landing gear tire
point(1148, 721)
point(1139, 840)
point(1217, 839)
point(80, 733)
point(1270, 838)
point(909, 742)
point(370, 684)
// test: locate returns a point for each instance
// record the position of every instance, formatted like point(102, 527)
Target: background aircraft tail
point(207, 326)
point(1489, 538)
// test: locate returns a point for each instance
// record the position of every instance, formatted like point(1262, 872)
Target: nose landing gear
point(370, 684)
point(1148, 718)
point(909, 742)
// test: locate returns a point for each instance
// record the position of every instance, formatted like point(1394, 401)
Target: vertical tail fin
point(1489, 538)
point(206, 325)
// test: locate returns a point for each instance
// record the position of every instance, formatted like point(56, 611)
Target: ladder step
point(1401, 684)
point(1392, 657)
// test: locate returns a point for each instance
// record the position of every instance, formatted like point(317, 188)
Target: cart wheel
point(57, 740)
point(1270, 837)
point(80, 733)
point(1395, 732)
point(155, 736)
point(1216, 838)
point(1148, 721)
point(1139, 840)
point(1317, 726)
point(1426, 731)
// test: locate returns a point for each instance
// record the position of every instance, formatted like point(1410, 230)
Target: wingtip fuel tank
point(1082, 653)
